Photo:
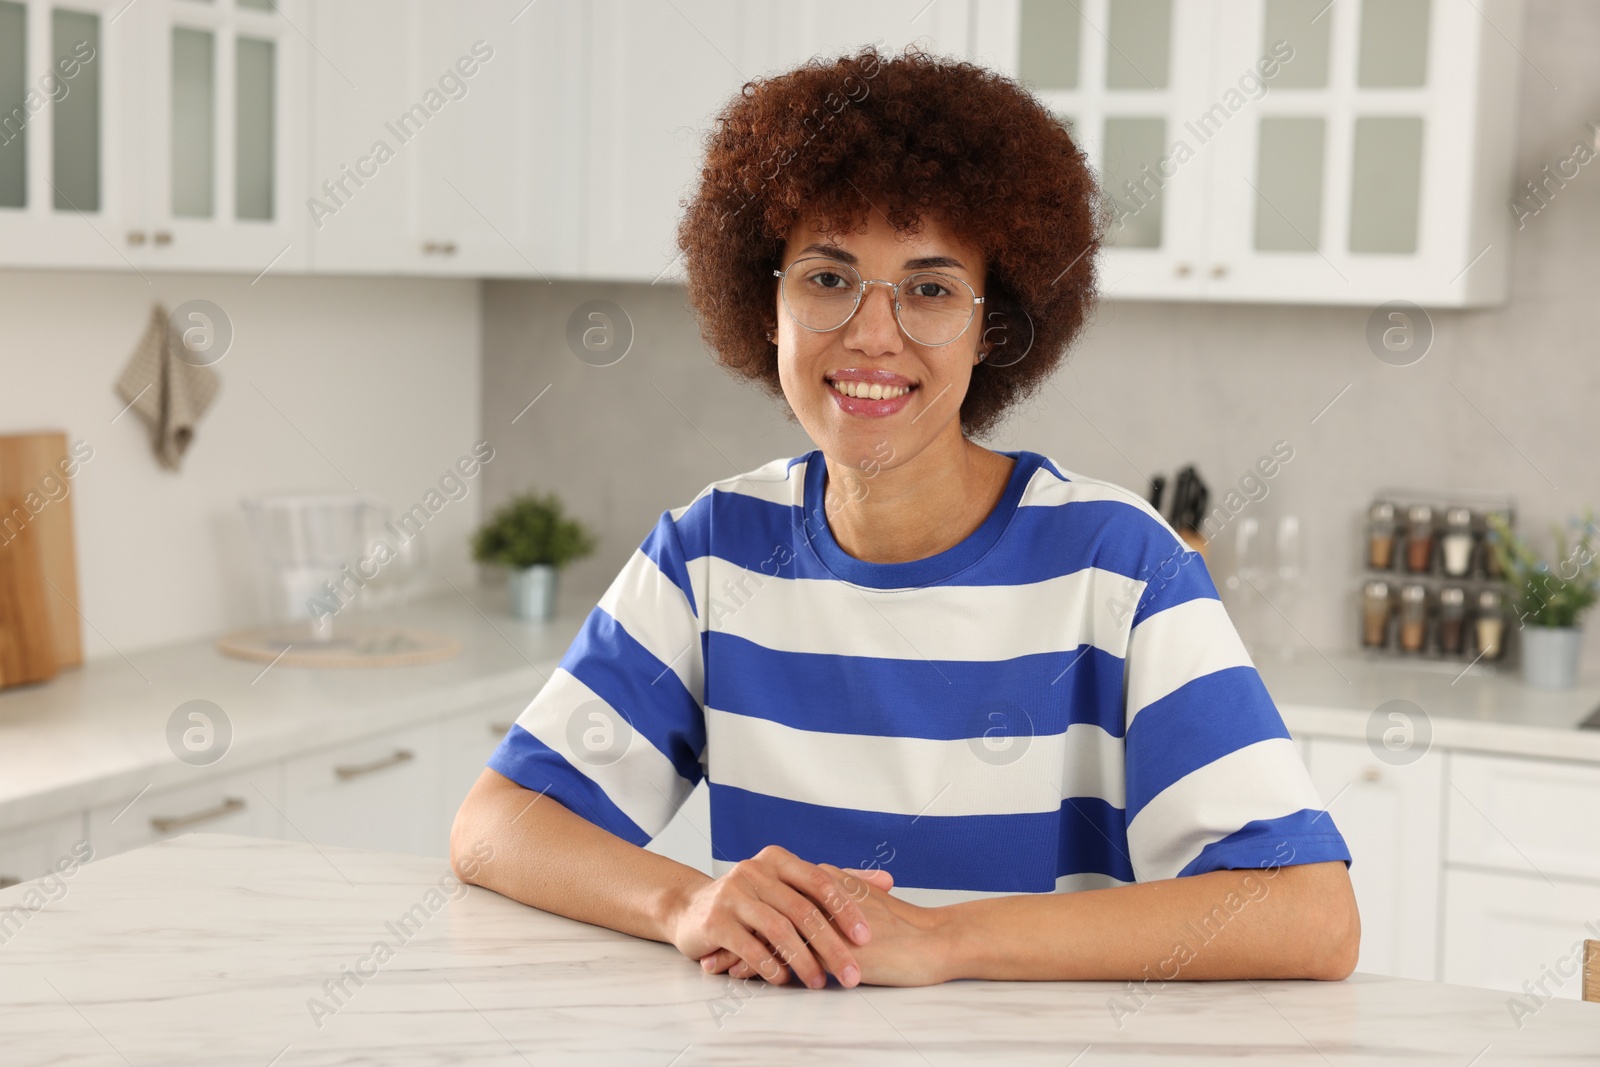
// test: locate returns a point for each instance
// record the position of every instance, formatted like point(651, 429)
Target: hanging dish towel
point(168, 393)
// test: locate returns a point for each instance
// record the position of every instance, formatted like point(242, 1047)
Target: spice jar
point(1419, 538)
point(1452, 620)
point(1491, 624)
point(1413, 617)
point(1375, 607)
point(1491, 561)
point(1455, 547)
point(1380, 536)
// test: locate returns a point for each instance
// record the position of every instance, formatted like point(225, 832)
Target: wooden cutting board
point(39, 622)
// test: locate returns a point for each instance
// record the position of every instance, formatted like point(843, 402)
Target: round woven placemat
point(349, 647)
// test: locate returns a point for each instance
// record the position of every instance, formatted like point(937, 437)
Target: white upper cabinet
point(657, 72)
point(442, 137)
point(1285, 150)
point(1294, 151)
point(69, 116)
point(223, 152)
point(166, 134)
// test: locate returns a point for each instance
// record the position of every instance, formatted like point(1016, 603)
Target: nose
point(873, 328)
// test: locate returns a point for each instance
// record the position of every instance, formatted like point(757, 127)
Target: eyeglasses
point(932, 308)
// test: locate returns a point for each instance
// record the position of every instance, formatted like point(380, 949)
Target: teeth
point(864, 391)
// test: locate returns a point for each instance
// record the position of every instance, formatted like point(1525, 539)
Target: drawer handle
point(162, 237)
point(136, 237)
point(165, 824)
point(6, 881)
point(500, 729)
point(348, 771)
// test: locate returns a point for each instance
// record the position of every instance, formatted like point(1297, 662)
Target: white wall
point(375, 378)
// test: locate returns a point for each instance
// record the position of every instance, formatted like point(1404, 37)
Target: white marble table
point(215, 950)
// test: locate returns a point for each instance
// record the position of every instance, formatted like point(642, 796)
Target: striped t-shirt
point(1058, 702)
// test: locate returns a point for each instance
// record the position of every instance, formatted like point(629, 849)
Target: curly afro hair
point(927, 136)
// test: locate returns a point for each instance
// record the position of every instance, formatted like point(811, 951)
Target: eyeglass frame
point(861, 295)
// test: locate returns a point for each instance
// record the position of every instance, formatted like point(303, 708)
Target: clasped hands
point(777, 915)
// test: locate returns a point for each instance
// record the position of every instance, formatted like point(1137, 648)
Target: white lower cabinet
point(35, 850)
point(1503, 930)
point(1524, 816)
point(246, 802)
point(381, 793)
point(469, 739)
point(1390, 817)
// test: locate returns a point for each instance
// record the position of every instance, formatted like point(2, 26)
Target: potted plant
point(531, 537)
point(1549, 599)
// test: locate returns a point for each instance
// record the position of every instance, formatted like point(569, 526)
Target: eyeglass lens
point(822, 294)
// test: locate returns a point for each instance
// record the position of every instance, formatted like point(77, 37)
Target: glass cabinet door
point(1120, 74)
point(66, 98)
point(1349, 176)
point(226, 91)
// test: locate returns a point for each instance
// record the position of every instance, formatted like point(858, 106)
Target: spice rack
point(1431, 591)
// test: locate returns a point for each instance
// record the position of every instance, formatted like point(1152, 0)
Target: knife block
point(39, 627)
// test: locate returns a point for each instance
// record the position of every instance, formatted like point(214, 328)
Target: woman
point(905, 661)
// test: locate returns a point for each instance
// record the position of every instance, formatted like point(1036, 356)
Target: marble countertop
point(98, 735)
point(227, 950)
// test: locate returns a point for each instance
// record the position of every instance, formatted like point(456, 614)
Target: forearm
point(1292, 922)
point(532, 849)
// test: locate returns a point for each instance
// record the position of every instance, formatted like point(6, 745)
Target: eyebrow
point(921, 262)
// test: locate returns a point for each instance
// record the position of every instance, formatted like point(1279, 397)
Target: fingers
point(876, 876)
point(827, 888)
point(790, 915)
point(821, 936)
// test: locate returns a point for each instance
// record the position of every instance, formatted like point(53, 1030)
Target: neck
point(930, 503)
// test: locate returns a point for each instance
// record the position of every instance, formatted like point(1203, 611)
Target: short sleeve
point(618, 732)
point(1214, 781)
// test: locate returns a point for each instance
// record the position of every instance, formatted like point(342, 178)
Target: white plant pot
point(531, 591)
point(1550, 656)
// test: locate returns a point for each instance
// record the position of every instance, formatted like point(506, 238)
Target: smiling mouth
point(870, 390)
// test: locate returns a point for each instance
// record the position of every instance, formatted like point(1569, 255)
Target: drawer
point(381, 793)
point(37, 849)
point(1501, 930)
point(247, 802)
point(1524, 816)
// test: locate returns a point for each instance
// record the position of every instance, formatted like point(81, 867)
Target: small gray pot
point(1550, 656)
point(531, 591)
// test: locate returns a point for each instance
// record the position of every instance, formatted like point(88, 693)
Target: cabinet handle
point(500, 729)
point(165, 824)
point(448, 248)
point(1183, 270)
point(163, 237)
point(440, 248)
point(348, 771)
point(6, 881)
point(136, 237)
point(1219, 270)
point(1372, 774)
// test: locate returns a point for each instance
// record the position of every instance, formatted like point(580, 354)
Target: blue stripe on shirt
point(975, 852)
point(868, 695)
point(664, 551)
point(534, 765)
point(1199, 722)
point(1306, 836)
point(643, 690)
